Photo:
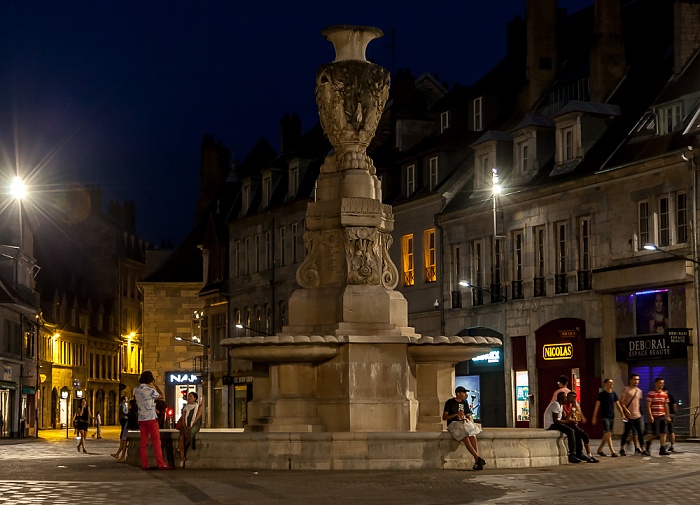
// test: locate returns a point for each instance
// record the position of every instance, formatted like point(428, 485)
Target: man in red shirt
point(657, 407)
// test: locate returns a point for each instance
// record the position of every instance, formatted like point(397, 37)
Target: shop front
point(484, 380)
point(563, 350)
point(178, 385)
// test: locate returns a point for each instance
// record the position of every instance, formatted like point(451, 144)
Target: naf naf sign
point(184, 378)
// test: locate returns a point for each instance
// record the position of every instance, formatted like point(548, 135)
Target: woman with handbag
point(82, 417)
point(189, 424)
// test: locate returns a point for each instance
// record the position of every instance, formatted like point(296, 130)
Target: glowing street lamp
point(654, 247)
point(18, 189)
point(467, 284)
point(241, 327)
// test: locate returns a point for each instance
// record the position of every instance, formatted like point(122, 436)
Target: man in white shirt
point(553, 421)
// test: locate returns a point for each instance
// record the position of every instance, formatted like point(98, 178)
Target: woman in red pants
point(148, 419)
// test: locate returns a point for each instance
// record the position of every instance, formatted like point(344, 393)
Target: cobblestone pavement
point(49, 470)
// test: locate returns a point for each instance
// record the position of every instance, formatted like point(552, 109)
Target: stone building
point(90, 337)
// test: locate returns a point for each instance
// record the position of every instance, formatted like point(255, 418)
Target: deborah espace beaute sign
point(673, 344)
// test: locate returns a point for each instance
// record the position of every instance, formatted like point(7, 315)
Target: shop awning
point(28, 390)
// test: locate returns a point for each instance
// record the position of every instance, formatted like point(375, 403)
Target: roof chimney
point(290, 132)
point(686, 14)
point(607, 57)
point(541, 26)
point(213, 170)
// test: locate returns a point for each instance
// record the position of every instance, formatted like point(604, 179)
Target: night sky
point(120, 93)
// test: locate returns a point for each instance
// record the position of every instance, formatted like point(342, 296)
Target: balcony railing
point(430, 275)
point(560, 284)
point(408, 279)
point(540, 286)
point(477, 297)
point(496, 294)
point(585, 280)
point(516, 290)
point(456, 299)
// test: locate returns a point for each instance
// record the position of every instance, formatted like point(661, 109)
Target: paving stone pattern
point(49, 470)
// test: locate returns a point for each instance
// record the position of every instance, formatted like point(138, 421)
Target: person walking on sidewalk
point(83, 415)
point(460, 424)
point(146, 393)
point(673, 410)
point(631, 396)
point(657, 408)
point(98, 426)
point(605, 405)
point(123, 417)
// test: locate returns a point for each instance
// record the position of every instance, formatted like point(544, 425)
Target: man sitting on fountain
point(461, 425)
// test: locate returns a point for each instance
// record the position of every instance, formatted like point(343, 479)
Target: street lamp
point(193, 341)
point(241, 327)
point(467, 284)
point(654, 247)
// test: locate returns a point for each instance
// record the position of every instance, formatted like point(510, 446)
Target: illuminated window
point(430, 257)
point(408, 263)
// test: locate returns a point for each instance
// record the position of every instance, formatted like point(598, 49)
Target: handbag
point(179, 423)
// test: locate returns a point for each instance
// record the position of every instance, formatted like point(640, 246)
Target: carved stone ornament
point(368, 261)
point(351, 94)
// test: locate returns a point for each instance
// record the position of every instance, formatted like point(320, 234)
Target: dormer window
point(410, 180)
point(568, 150)
point(245, 196)
point(524, 158)
point(477, 114)
point(485, 171)
point(568, 142)
point(266, 189)
point(444, 121)
point(434, 176)
point(670, 118)
point(293, 181)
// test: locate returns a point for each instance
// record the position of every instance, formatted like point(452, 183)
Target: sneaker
point(591, 459)
point(583, 457)
point(664, 452)
point(622, 453)
point(574, 459)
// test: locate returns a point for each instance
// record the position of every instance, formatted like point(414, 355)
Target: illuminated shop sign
point(183, 378)
point(672, 345)
point(557, 351)
point(492, 357)
point(568, 333)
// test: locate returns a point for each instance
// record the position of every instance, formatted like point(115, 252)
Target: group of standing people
point(660, 407)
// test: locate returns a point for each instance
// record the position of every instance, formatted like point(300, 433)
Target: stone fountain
point(348, 361)
point(348, 384)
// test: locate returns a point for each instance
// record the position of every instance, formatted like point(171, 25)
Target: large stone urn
point(343, 362)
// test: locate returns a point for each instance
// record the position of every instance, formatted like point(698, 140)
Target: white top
point(145, 399)
point(189, 407)
point(552, 408)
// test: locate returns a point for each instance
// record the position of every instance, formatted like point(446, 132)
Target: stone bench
point(233, 449)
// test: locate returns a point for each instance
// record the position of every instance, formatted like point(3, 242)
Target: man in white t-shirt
point(553, 421)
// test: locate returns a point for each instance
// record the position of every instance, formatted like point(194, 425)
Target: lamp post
point(654, 247)
point(467, 284)
point(241, 327)
point(64, 396)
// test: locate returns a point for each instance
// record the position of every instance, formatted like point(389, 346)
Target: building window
point(478, 277)
point(408, 263)
point(524, 158)
point(294, 237)
point(486, 172)
point(560, 277)
point(664, 222)
point(433, 164)
point(670, 118)
point(540, 243)
point(497, 271)
point(430, 257)
point(681, 218)
point(246, 256)
point(267, 189)
point(584, 270)
point(456, 264)
point(245, 197)
point(258, 250)
point(643, 225)
point(410, 180)
point(237, 258)
point(517, 286)
point(477, 105)
point(568, 151)
point(268, 250)
point(283, 246)
point(444, 121)
point(293, 182)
